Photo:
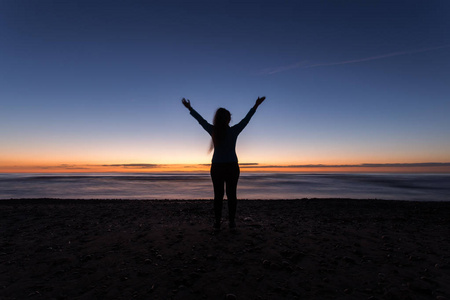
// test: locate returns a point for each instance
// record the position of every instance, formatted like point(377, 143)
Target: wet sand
point(296, 249)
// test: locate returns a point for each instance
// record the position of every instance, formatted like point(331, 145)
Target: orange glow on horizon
point(169, 168)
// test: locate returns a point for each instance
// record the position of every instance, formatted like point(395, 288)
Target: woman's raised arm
point(241, 125)
point(208, 127)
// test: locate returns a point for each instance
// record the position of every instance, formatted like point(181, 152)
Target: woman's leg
point(232, 181)
point(218, 180)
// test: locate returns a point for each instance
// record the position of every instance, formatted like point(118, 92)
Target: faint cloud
point(394, 165)
point(303, 65)
point(275, 70)
point(408, 165)
point(134, 166)
point(64, 166)
point(240, 164)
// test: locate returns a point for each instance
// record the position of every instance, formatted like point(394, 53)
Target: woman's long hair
point(221, 121)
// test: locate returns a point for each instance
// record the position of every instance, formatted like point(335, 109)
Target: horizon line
point(257, 167)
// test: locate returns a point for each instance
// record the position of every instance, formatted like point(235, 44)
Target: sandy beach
point(296, 249)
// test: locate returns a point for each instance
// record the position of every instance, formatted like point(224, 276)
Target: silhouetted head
point(222, 118)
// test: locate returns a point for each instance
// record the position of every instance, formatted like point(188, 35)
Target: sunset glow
point(168, 168)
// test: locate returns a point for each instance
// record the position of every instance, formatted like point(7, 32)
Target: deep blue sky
point(346, 81)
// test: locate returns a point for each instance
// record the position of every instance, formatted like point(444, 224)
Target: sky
point(97, 85)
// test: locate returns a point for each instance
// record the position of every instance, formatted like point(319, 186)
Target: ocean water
point(418, 187)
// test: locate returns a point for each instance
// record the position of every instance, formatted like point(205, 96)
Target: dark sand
point(303, 249)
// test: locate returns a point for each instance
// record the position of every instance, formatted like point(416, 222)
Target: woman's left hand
point(186, 103)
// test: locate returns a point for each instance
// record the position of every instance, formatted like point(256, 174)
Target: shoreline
point(266, 186)
point(166, 249)
point(118, 200)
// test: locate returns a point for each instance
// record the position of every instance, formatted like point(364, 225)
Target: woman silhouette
point(224, 167)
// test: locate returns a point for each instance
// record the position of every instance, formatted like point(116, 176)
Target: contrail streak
point(270, 71)
point(302, 65)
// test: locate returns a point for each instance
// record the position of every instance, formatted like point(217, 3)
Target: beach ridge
point(166, 249)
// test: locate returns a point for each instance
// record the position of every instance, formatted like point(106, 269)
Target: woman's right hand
point(186, 103)
point(259, 101)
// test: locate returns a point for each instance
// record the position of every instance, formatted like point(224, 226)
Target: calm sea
point(419, 187)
